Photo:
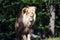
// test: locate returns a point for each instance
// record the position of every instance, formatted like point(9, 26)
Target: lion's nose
point(31, 18)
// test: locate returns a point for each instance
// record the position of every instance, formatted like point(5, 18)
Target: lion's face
point(29, 15)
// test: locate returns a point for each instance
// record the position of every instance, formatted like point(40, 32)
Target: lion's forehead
point(29, 15)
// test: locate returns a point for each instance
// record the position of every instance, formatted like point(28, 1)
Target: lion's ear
point(24, 10)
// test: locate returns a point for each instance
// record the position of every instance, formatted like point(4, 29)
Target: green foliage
point(44, 0)
point(42, 20)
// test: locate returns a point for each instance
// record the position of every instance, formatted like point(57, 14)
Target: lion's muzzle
point(31, 18)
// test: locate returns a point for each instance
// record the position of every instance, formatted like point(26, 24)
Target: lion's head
point(29, 15)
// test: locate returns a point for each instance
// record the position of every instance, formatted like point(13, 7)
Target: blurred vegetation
point(10, 9)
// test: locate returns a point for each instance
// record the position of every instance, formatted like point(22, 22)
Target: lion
point(24, 23)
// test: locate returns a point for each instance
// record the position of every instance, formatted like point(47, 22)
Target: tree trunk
point(52, 19)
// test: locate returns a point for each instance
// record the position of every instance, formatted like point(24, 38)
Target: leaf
point(44, 0)
point(1, 1)
point(12, 19)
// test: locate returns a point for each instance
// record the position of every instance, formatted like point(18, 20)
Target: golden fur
point(24, 23)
